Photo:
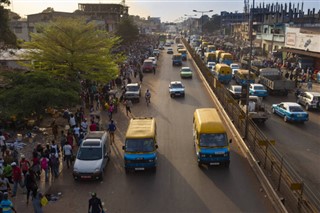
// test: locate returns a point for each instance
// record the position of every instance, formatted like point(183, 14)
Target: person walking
point(140, 77)
point(6, 205)
point(36, 201)
point(24, 164)
point(17, 178)
point(111, 129)
point(128, 104)
point(30, 183)
point(67, 153)
point(44, 162)
point(95, 205)
point(3, 145)
point(4, 184)
point(309, 85)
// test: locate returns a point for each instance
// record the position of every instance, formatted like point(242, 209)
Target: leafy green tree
point(127, 30)
point(7, 37)
point(73, 48)
point(33, 92)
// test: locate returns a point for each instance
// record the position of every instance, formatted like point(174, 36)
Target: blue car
point(258, 90)
point(290, 111)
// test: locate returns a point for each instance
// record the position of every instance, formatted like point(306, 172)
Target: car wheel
point(199, 164)
point(307, 107)
point(273, 111)
point(183, 95)
point(285, 118)
point(171, 95)
point(101, 176)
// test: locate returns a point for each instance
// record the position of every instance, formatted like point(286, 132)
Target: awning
point(300, 52)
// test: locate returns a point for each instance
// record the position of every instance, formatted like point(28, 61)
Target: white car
point(235, 67)
point(154, 61)
point(211, 64)
point(176, 88)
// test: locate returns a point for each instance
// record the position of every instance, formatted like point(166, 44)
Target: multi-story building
point(110, 13)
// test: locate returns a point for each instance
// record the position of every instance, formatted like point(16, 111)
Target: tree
point(7, 37)
point(73, 48)
point(213, 24)
point(32, 92)
point(127, 30)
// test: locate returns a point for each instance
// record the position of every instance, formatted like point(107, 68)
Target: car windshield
point(88, 153)
point(213, 140)
point(237, 89)
point(147, 63)
point(186, 70)
point(132, 88)
point(139, 145)
point(258, 87)
point(176, 86)
point(295, 109)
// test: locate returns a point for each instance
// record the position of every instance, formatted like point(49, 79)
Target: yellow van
point(141, 145)
point(226, 58)
point(223, 73)
point(241, 77)
point(210, 138)
point(218, 55)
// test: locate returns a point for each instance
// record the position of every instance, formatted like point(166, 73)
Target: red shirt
point(16, 173)
point(93, 127)
point(24, 165)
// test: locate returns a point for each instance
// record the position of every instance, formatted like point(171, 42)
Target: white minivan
point(92, 157)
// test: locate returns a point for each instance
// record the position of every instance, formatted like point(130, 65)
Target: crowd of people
point(24, 171)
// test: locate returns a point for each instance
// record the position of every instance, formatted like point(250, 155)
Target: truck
point(275, 83)
point(256, 110)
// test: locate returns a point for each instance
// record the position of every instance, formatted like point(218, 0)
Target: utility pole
point(249, 73)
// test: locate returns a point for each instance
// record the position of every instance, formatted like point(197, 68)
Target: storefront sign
point(303, 41)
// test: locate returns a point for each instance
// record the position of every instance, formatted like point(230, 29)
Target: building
point(110, 13)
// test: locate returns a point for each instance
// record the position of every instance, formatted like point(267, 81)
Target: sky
point(167, 10)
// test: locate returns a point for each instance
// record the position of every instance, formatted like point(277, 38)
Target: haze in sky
point(167, 10)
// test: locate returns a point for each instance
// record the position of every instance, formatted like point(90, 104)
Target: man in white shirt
point(67, 153)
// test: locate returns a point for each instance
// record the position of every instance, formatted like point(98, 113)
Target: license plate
point(85, 177)
point(215, 163)
point(139, 169)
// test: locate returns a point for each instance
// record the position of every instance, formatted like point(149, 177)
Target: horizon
point(168, 11)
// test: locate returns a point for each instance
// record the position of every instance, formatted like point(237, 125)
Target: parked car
point(311, 100)
point(176, 88)
point(186, 72)
point(170, 50)
point(154, 61)
point(235, 91)
point(290, 111)
point(258, 90)
point(147, 66)
point(156, 52)
point(133, 92)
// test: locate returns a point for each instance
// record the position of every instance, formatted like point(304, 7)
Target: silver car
point(176, 88)
point(311, 100)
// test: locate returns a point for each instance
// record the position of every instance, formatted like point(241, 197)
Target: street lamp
point(202, 12)
point(190, 16)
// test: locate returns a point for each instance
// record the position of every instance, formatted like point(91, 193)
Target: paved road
point(299, 143)
point(179, 185)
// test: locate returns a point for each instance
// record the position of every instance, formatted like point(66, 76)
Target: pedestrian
point(36, 201)
point(111, 129)
point(36, 165)
point(84, 125)
point(6, 205)
point(54, 163)
point(76, 133)
point(4, 184)
point(140, 77)
point(24, 164)
point(54, 128)
point(7, 172)
point(93, 126)
point(67, 153)
point(72, 121)
point(128, 104)
point(3, 145)
point(309, 85)
point(30, 183)
point(17, 178)
point(55, 148)
point(44, 162)
point(95, 205)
